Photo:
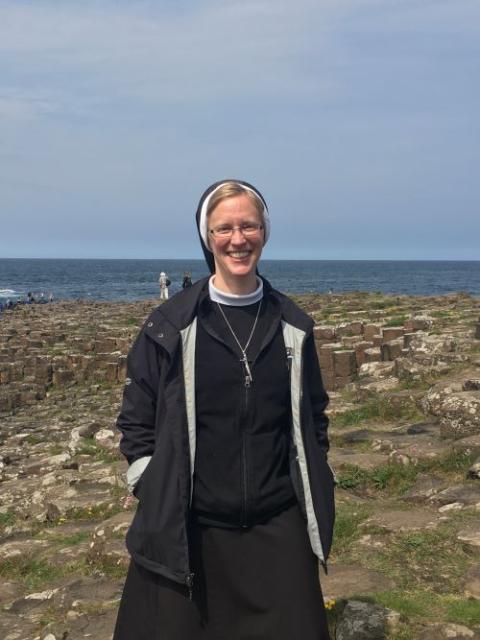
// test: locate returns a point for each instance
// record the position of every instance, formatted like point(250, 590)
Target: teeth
point(239, 254)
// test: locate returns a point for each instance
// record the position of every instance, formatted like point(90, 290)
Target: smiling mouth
point(239, 254)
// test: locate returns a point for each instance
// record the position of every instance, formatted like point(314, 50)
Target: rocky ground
point(404, 380)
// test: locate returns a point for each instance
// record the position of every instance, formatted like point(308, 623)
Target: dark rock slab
point(364, 621)
point(466, 494)
point(424, 488)
point(358, 436)
point(423, 427)
point(13, 627)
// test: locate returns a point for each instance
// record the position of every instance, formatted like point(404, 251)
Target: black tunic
point(253, 584)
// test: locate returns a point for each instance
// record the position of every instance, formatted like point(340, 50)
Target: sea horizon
point(137, 278)
point(262, 260)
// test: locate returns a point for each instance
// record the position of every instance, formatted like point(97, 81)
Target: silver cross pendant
point(248, 373)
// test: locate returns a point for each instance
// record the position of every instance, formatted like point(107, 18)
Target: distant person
point(164, 283)
point(30, 298)
point(50, 297)
point(187, 280)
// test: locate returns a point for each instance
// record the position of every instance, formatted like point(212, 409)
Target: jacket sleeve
point(318, 396)
point(136, 420)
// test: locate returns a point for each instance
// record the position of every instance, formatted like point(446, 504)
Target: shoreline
point(298, 296)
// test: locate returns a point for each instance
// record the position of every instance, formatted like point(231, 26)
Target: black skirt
point(255, 584)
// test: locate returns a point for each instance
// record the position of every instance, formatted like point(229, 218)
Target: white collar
point(235, 299)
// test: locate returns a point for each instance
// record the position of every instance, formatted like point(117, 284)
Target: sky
point(358, 120)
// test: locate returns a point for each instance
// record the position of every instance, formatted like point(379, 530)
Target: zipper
point(189, 582)
point(244, 457)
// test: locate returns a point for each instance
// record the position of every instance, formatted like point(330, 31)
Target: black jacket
point(158, 425)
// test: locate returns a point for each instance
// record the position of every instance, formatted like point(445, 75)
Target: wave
point(11, 293)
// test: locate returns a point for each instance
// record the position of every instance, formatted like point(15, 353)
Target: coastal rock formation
point(403, 377)
point(457, 406)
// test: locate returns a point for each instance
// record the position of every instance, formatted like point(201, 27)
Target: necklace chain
point(248, 373)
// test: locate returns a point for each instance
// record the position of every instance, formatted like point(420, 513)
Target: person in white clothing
point(164, 283)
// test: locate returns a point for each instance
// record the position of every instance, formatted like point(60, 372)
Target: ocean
point(138, 279)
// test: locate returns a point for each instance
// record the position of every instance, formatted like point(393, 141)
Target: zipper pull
point(248, 373)
point(189, 583)
point(289, 351)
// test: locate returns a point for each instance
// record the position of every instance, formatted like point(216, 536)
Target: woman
point(224, 429)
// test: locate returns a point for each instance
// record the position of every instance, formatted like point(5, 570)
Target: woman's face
point(236, 257)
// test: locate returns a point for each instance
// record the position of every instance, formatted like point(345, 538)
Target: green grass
point(422, 604)
point(32, 572)
point(56, 449)
point(107, 566)
point(95, 512)
point(408, 381)
point(430, 559)
point(70, 540)
point(347, 520)
point(463, 611)
point(396, 321)
point(351, 477)
point(395, 478)
point(36, 573)
point(381, 409)
point(7, 518)
point(418, 604)
point(131, 322)
point(379, 304)
point(98, 453)
point(455, 462)
point(392, 478)
point(34, 438)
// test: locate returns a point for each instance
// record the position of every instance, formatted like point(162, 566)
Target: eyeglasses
point(247, 229)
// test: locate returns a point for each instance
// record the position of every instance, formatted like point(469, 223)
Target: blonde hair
point(230, 190)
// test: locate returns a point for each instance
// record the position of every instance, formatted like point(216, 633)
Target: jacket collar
point(164, 324)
